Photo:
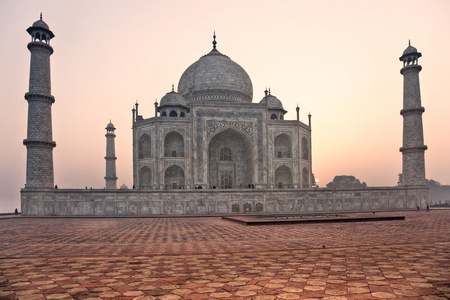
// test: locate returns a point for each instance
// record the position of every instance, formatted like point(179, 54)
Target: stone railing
point(104, 202)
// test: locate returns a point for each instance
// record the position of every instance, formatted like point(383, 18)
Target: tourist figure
point(16, 212)
point(417, 208)
point(428, 208)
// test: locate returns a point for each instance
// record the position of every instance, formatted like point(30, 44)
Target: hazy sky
point(336, 59)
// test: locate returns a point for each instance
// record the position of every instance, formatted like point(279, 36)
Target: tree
point(346, 181)
point(432, 183)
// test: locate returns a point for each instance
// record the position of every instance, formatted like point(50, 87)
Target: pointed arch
point(259, 207)
point(230, 159)
point(305, 178)
point(173, 145)
point(145, 178)
point(283, 177)
point(283, 146)
point(173, 114)
point(144, 146)
point(174, 178)
point(305, 148)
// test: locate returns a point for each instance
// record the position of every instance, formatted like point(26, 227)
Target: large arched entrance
point(230, 163)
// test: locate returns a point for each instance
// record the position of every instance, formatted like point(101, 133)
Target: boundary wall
point(102, 202)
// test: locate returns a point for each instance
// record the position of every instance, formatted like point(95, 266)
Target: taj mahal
point(209, 134)
point(211, 148)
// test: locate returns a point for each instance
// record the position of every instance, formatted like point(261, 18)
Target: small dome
point(409, 53)
point(410, 50)
point(124, 187)
point(41, 24)
point(272, 102)
point(173, 99)
point(110, 126)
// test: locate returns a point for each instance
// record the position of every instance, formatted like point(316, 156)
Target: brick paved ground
point(210, 258)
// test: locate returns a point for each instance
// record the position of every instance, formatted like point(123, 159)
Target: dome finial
point(41, 16)
point(214, 41)
point(172, 88)
point(409, 43)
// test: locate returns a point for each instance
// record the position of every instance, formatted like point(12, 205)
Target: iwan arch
point(209, 149)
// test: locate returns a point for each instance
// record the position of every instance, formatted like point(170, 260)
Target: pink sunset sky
point(335, 59)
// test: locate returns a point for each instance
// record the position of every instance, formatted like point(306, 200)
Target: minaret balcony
point(39, 97)
point(407, 111)
point(39, 143)
point(413, 149)
point(44, 46)
point(410, 68)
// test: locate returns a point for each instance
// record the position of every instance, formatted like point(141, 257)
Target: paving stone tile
point(58, 296)
point(383, 295)
point(70, 258)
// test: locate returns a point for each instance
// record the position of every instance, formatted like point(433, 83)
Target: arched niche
point(230, 159)
point(283, 146)
point(283, 177)
point(173, 145)
point(144, 146)
point(305, 148)
point(145, 178)
point(305, 178)
point(174, 178)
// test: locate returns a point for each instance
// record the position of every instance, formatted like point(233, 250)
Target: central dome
point(216, 77)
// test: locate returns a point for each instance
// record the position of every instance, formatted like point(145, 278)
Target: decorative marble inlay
point(168, 163)
point(278, 132)
point(213, 126)
point(276, 165)
point(167, 130)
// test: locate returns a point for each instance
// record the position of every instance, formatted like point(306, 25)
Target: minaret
point(413, 149)
point(110, 178)
point(39, 131)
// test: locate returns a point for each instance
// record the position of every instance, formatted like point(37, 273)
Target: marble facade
point(124, 202)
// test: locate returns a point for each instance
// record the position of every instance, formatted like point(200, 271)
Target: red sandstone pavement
point(211, 258)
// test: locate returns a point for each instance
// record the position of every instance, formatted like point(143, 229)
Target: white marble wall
point(181, 202)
